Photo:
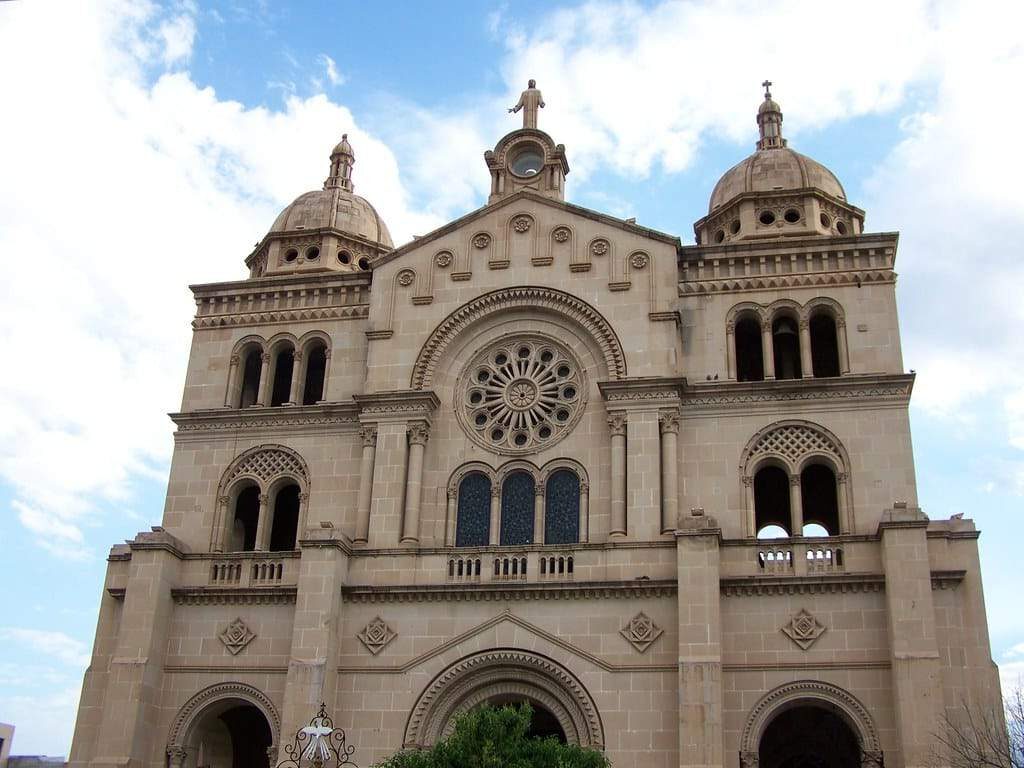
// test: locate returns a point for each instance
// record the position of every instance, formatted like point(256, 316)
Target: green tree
point(496, 738)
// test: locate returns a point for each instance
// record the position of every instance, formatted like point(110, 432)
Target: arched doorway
point(231, 725)
point(809, 736)
point(543, 723)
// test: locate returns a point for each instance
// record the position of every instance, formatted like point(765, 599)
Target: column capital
point(747, 481)
point(368, 435)
point(842, 477)
point(538, 490)
point(669, 422)
point(495, 491)
point(617, 423)
point(303, 497)
point(235, 360)
point(794, 480)
point(176, 756)
point(730, 327)
point(419, 433)
point(265, 357)
point(749, 759)
point(584, 486)
point(297, 355)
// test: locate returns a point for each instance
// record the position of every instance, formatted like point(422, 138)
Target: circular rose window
point(521, 395)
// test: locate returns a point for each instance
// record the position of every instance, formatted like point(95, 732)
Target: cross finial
point(767, 84)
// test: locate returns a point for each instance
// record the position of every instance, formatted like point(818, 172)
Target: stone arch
point(813, 693)
point(528, 297)
point(266, 463)
point(476, 678)
point(791, 443)
point(745, 309)
point(213, 694)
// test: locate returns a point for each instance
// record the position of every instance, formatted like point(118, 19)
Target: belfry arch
point(504, 676)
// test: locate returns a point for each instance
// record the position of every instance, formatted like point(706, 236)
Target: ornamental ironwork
point(521, 394)
point(319, 745)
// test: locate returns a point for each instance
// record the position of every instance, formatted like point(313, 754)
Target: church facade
point(665, 493)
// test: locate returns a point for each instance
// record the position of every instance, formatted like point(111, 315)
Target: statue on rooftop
point(529, 101)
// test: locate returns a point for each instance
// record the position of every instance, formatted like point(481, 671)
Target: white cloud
point(178, 34)
point(56, 645)
point(334, 77)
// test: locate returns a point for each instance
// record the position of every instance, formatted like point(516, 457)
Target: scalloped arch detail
point(479, 676)
point(264, 463)
point(791, 441)
point(528, 297)
point(214, 693)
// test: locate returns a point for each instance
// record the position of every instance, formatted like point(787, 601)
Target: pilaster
point(913, 645)
point(700, 645)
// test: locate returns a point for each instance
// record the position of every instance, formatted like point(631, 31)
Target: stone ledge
point(511, 591)
point(234, 596)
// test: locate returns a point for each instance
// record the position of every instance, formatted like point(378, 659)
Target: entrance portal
point(809, 736)
point(229, 734)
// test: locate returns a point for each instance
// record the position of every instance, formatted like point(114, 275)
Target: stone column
point(806, 361)
point(584, 512)
point(767, 349)
point(264, 390)
point(229, 396)
point(538, 513)
point(388, 484)
point(368, 435)
point(748, 495)
point(842, 493)
point(700, 649)
point(730, 351)
point(796, 516)
point(669, 423)
point(135, 677)
point(327, 374)
point(495, 514)
point(914, 650)
point(451, 517)
point(294, 394)
point(617, 425)
point(263, 524)
point(844, 352)
point(220, 523)
point(419, 432)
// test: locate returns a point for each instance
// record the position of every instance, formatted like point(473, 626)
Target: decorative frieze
point(415, 593)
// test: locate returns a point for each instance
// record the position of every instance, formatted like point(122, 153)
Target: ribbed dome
point(773, 170)
point(335, 208)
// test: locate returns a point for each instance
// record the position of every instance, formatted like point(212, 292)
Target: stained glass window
point(473, 519)
point(562, 510)
point(517, 509)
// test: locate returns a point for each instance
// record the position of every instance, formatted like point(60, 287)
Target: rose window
point(521, 395)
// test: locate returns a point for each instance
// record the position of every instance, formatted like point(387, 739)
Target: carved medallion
point(237, 636)
point(803, 629)
point(561, 234)
point(482, 240)
point(406, 276)
point(641, 632)
point(599, 247)
point(376, 635)
point(638, 260)
point(521, 223)
point(443, 259)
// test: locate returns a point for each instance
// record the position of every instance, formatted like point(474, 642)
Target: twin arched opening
point(517, 506)
point(262, 502)
point(787, 341)
point(283, 371)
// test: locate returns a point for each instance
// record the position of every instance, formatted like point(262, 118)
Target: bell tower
point(527, 158)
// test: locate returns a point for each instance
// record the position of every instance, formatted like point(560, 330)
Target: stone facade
point(528, 457)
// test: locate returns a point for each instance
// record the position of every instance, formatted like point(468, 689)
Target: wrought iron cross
point(319, 745)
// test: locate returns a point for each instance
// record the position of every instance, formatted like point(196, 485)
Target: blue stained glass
point(562, 510)
point(473, 519)
point(517, 509)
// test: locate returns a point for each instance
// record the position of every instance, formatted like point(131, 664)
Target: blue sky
point(152, 144)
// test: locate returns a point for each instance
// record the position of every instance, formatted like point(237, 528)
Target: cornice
point(292, 282)
point(769, 195)
point(742, 586)
point(498, 591)
point(399, 403)
point(292, 418)
point(866, 388)
point(646, 391)
point(224, 669)
point(234, 596)
point(799, 246)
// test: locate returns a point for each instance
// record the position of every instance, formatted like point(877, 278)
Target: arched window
point(286, 519)
point(284, 361)
point(786, 344)
point(473, 518)
point(820, 500)
point(252, 364)
point(824, 345)
point(771, 502)
point(517, 496)
point(245, 520)
point(316, 367)
point(749, 355)
point(562, 508)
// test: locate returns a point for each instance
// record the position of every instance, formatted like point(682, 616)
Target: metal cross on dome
point(767, 84)
point(319, 745)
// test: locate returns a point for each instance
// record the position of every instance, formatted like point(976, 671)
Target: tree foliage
point(497, 738)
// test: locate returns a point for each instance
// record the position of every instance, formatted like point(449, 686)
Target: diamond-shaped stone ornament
point(641, 632)
point(376, 635)
point(237, 636)
point(803, 629)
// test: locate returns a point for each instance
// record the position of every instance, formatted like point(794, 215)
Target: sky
point(145, 146)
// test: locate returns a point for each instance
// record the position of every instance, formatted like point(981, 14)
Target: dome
point(336, 206)
point(774, 167)
point(774, 170)
point(337, 209)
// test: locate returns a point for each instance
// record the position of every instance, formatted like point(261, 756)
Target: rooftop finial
point(342, 160)
point(769, 121)
point(530, 101)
